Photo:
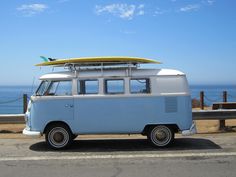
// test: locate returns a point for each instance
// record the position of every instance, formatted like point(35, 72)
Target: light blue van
point(151, 102)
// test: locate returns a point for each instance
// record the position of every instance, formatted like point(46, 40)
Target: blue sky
point(197, 37)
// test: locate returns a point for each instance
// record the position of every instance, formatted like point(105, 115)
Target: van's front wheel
point(58, 136)
point(161, 135)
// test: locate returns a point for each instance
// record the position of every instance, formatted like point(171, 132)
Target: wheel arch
point(174, 127)
point(55, 122)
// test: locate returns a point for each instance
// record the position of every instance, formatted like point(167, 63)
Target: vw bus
point(110, 100)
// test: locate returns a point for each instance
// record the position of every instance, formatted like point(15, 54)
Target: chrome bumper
point(191, 131)
point(31, 133)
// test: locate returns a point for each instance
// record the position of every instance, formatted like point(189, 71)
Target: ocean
point(11, 97)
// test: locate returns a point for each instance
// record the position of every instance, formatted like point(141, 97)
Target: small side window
point(139, 86)
point(88, 87)
point(114, 86)
point(60, 88)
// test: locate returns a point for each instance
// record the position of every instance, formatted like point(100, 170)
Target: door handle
point(69, 106)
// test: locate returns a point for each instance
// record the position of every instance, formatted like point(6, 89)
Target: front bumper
point(31, 133)
point(191, 131)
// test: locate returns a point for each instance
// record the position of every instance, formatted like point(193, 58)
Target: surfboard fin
point(45, 59)
point(51, 59)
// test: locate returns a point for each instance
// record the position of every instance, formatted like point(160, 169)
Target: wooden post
point(202, 100)
point(25, 103)
point(225, 96)
point(222, 122)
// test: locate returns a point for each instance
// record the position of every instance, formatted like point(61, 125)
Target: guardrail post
point(24, 103)
point(202, 100)
point(222, 122)
point(225, 96)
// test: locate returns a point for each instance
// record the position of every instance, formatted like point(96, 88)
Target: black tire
point(58, 136)
point(161, 136)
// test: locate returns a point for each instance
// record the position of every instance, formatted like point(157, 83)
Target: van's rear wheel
point(161, 136)
point(58, 136)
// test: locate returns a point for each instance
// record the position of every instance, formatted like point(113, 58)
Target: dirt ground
point(211, 126)
point(11, 128)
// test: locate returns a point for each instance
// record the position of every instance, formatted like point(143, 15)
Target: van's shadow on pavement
point(130, 145)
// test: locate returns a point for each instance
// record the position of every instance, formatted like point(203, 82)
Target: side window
point(139, 85)
point(42, 88)
point(115, 86)
point(60, 88)
point(88, 87)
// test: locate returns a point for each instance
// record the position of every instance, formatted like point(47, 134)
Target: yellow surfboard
point(94, 60)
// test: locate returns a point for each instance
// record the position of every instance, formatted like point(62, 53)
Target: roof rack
point(99, 65)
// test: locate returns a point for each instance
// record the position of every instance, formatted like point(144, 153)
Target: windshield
point(42, 88)
point(59, 88)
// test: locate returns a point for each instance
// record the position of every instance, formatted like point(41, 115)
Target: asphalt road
point(200, 156)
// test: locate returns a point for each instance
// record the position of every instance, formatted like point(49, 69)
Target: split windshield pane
point(42, 88)
point(60, 88)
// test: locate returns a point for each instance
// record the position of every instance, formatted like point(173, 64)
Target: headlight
point(29, 106)
point(26, 118)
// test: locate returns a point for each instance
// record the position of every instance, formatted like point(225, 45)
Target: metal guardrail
point(220, 114)
point(12, 118)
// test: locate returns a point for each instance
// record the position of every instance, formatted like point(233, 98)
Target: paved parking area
point(210, 155)
point(18, 145)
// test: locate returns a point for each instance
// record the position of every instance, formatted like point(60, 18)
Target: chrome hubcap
point(160, 135)
point(58, 137)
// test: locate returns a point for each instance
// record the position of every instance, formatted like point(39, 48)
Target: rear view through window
point(114, 86)
point(139, 86)
point(88, 87)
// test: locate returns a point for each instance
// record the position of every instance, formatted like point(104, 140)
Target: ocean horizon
point(11, 96)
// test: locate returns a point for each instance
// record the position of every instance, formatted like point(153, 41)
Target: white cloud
point(130, 11)
point(190, 7)
point(63, 1)
point(210, 2)
point(159, 11)
point(32, 9)
point(140, 9)
point(141, 6)
point(141, 12)
point(124, 11)
point(128, 32)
